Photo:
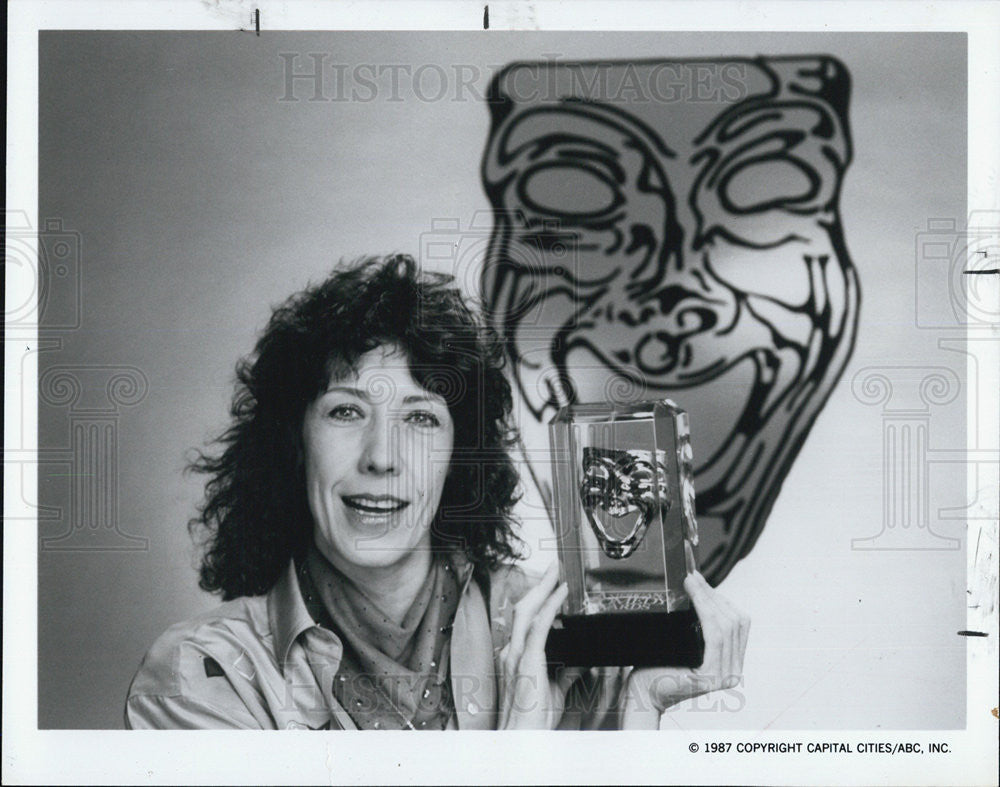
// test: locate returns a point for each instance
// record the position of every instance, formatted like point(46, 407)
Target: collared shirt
point(261, 662)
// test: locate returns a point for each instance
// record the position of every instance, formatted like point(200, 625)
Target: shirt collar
point(286, 612)
point(464, 570)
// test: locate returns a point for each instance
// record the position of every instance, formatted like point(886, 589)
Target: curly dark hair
point(255, 516)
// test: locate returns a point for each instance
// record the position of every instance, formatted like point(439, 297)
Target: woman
point(358, 527)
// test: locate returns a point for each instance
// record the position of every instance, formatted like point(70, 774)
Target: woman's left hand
point(529, 699)
point(725, 630)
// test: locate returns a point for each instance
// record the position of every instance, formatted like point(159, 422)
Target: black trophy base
point(620, 639)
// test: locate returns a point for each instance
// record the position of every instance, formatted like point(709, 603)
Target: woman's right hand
point(529, 700)
point(652, 690)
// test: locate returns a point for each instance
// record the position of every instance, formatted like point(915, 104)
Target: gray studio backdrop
point(187, 186)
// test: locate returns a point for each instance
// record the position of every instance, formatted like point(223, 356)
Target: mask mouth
point(696, 350)
point(620, 484)
point(619, 548)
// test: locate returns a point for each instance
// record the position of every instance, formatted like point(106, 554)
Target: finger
point(715, 631)
point(727, 607)
point(699, 591)
point(715, 677)
point(744, 635)
point(713, 602)
point(703, 598)
point(729, 634)
point(528, 606)
point(545, 585)
point(668, 686)
point(735, 672)
point(505, 703)
point(540, 626)
point(525, 611)
point(567, 676)
point(504, 687)
point(645, 698)
point(730, 622)
point(706, 675)
point(532, 690)
point(740, 628)
point(504, 661)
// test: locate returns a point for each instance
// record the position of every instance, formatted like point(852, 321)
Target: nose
point(380, 455)
point(688, 311)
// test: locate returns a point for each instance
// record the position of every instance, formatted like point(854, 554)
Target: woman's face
point(377, 451)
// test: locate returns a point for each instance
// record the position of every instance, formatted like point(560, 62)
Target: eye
point(423, 418)
point(569, 190)
point(345, 413)
point(768, 184)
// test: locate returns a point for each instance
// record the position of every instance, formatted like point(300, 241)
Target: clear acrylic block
point(625, 517)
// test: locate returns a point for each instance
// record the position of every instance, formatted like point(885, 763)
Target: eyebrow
point(364, 396)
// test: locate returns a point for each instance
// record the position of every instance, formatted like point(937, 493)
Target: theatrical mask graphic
point(671, 228)
point(621, 490)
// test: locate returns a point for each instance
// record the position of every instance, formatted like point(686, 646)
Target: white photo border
point(33, 756)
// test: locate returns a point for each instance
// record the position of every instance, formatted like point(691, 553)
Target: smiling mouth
point(375, 505)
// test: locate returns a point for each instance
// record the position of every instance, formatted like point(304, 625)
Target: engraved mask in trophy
point(622, 491)
point(671, 228)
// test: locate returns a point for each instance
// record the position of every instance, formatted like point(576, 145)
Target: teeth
point(375, 506)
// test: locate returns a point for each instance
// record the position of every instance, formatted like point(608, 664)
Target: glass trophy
point(626, 534)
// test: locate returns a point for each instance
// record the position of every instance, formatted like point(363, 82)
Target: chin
point(379, 557)
point(366, 550)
